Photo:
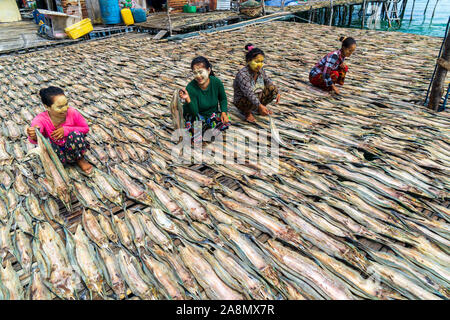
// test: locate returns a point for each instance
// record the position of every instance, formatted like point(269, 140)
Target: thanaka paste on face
point(59, 107)
point(201, 75)
point(257, 63)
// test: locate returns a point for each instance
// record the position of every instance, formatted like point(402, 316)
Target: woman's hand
point(335, 89)
point(31, 131)
point(278, 99)
point(58, 134)
point(185, 95)
point(224, 118)
point(263, 110)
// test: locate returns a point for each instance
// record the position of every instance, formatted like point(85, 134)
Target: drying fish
point(263, 221)
point(107, 187)
point(10, 280)
point(133, 190)
point(165, 277)
point(186, 279)
point(93, 229)
point(192, 207)
point(248, 252)
point(112, 273)
point(177, 111)
point(51, 208)
point(156, 235)
point(135, 278)
point(4, 210)
point(223, 217)
point(196, 176)
point(84, 260)
point(5, 239)
point(20, 185)
point(276, 135)
point(13, 199)
point(108, 228)
point(34, 208)
point(38, 290)
point(165, 200)
point(23, 250)
point(53, 261)
point(322, 240)
point(6, 178)
point(23, 220)
point(215, 288)
point(88, 196)
point(139, 235)
point(124, 232)
point(54, 170)
point(292, 262)
point(195, 187)
point(247, 278)
point(400, 280)
point(238, 196)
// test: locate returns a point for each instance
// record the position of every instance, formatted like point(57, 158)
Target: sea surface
point(425, 17)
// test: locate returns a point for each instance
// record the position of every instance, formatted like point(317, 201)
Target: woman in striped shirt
point(331, 69)
point(253, 89)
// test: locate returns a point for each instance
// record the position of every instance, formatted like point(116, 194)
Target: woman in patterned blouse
point(331, 69)
point(253, 89)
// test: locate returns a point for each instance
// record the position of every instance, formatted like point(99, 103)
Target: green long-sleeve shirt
point(205, 102)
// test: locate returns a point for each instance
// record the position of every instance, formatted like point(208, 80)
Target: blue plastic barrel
point(110, 11)
point(139, 15)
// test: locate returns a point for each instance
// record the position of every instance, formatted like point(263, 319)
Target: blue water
point(419, 21)
point(419, 18)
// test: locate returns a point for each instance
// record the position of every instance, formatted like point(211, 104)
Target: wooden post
point(282, 5)
point(310, 14)
point(79, 10)
point(331, 13)
point(388, 14)
point(350, 14)
point(402, 13)
point(412, 10)
point(263, 8)
point(434, 10)
point(441, 72)
point(168, 16)
point(363, 14)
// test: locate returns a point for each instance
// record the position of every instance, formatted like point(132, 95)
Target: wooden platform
point(162, 67)
point(187, 22)
point(20, 35)
point(315, 4)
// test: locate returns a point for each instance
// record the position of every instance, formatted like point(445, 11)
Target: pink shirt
point(74, 122)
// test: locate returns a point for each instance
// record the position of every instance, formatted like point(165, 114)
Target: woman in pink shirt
point(64, 126)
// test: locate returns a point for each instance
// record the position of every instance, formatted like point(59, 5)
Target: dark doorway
point(156, 4)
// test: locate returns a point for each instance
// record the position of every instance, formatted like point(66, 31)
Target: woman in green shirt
point(203, 95)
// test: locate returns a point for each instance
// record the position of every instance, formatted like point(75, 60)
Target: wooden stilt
point(350, 15)
point(437, 88)
point(331, 12)
point(412, 10)
point(363, 14)
point(402, 12)
point(168, 16)
point(434, 10)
